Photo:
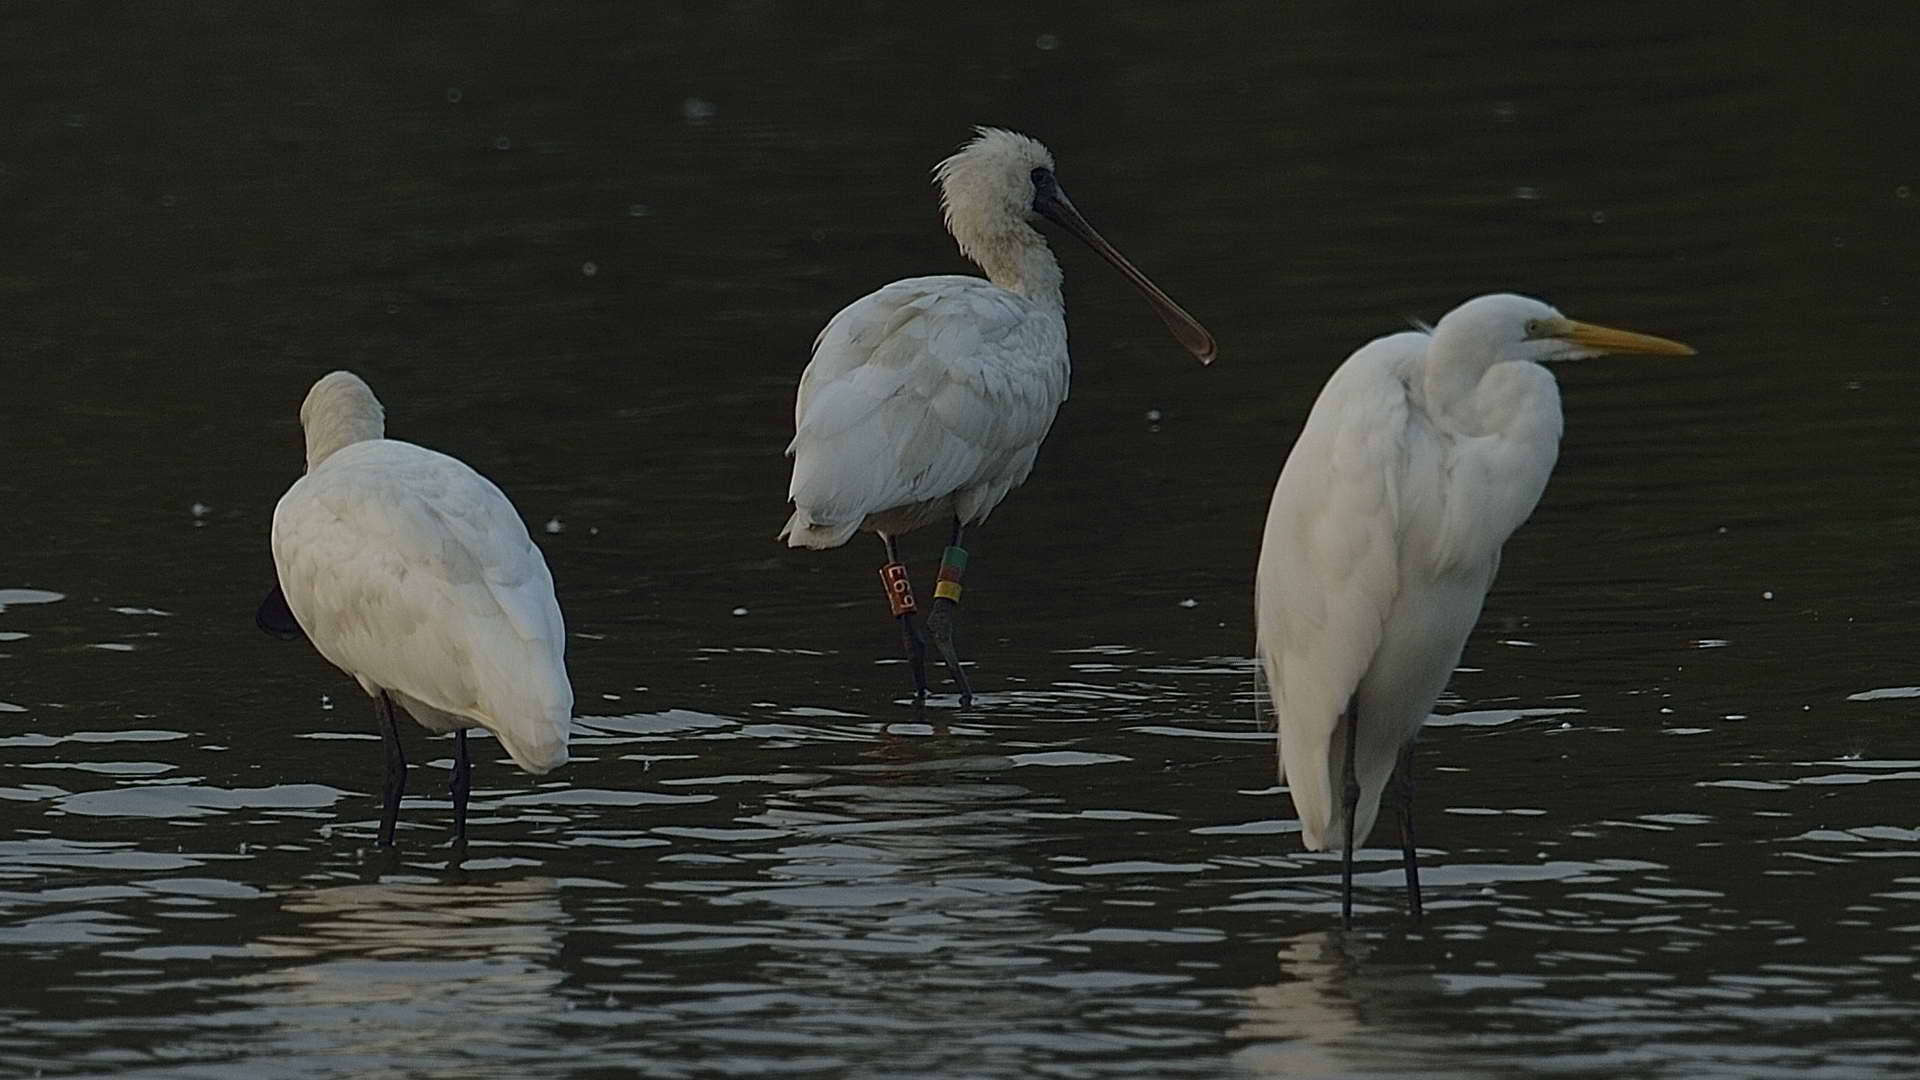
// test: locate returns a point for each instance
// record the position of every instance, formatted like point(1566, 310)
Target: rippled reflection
point(1338, 1010)
point(425, 974)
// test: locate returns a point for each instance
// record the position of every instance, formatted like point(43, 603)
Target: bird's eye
point(1042, 179)
point(1535, 328)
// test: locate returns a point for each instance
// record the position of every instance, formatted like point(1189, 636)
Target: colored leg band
point(953, 563)
point(899, 591)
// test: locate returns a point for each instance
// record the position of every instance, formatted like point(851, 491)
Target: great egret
point(1424, 452)
point(927, 400)
point(414, 574)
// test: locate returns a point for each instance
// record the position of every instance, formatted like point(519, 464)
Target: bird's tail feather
point(802, 531)
point(536, 748)
point(1264, 717)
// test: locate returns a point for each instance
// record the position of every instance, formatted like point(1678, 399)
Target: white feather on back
point(931, 393)
point(415, 574)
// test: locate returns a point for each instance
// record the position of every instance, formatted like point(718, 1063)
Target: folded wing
point(929, 388)
point(415, 574)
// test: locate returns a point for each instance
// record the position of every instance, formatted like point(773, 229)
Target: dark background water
point(1670, 799)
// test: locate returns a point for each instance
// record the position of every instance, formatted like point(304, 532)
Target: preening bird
point(1424, 452)
point(414, 574)
point(927, 400)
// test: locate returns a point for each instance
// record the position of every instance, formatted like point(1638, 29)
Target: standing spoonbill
point(1424, 452)
point(927, 400)
point(414, 574)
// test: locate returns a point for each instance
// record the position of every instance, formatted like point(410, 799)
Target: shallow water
point(1669, 823)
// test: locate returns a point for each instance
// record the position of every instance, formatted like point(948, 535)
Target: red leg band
point(899, 592)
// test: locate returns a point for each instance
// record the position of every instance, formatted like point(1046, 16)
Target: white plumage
point(415, 575)
point(928, 399)
point(925, 401)
point(1423, 453)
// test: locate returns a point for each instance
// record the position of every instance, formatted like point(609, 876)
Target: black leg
point(462, 785)
point(940, 623)
point(1403, 792)
point(396, 787)
point(916, 649)
point(900, 596)
point(1350, 800)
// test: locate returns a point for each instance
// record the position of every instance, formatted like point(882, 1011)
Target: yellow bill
point(1607, 339)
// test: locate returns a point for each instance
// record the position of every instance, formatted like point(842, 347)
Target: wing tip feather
point(802, 531)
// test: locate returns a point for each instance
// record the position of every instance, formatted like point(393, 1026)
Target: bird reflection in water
point(413, 974)
point(1337, 1010)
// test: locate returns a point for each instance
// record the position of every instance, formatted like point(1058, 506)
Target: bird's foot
point(388, 823)
point(940, 623)
point(915, 645)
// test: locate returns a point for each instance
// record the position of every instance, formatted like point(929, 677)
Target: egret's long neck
point(1459, 357)
point(1516, 399)
point(349, 420)
point(1496, 469)
point(1449, 387)
point(1017, 260)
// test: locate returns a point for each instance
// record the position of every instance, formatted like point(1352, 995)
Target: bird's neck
point(335, 429)
point(1017, 261)
point(1449, 390)
point(1516, 399)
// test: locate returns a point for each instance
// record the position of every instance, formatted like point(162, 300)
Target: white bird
point(414, 574)
point(927, 400)
point(1424, 452)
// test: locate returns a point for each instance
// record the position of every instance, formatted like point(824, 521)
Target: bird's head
point(340, 410)
point(995, 187)
point(1503, 327)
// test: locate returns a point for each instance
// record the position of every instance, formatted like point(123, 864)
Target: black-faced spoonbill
point(414, 574)
point(927, 400)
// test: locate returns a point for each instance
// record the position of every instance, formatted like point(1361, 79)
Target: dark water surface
point(1671, 823)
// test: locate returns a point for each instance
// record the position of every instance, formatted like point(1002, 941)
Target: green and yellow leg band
point(953, 564)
